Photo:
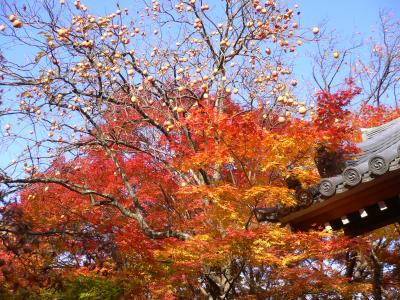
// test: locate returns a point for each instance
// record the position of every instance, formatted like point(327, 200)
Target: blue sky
point(351, 20)
point(346, 16)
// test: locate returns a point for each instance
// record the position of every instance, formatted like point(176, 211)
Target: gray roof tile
point(379, 154)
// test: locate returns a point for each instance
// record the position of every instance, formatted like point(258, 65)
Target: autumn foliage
point(144, 177)
point(62, 234)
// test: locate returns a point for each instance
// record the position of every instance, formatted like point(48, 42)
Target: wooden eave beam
point(359, 197)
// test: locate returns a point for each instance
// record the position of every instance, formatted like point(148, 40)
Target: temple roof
point(379, 154)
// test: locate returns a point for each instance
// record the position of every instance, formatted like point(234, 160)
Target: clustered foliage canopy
point(142, 142)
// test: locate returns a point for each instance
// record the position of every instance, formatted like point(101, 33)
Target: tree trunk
point(377, 274)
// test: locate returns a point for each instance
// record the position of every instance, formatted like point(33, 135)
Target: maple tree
point(144, 161)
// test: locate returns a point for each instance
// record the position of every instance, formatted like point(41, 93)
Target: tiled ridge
point(379, 153)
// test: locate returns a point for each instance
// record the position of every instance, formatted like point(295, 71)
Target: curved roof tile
point(380, 153)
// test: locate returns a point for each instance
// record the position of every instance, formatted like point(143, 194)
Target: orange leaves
point(269, 196)
point(204, 178)
point(224, 207)
point(161, 139)
point(208, 250)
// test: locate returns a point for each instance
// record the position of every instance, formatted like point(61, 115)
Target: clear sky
point(350, 19)
point(346, 16)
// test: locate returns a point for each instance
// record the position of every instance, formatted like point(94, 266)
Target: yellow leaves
point(227, 206)
point(272, 245)
point(202, 237)
point(286, 155)
point(261, 245)
point(269, 195)
point(307, 176)
point(266, 258)
point(292, 258)
point(254, 193)
point(265, 248)
point(198, 252)
point(231, 206)
point(281, 150)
